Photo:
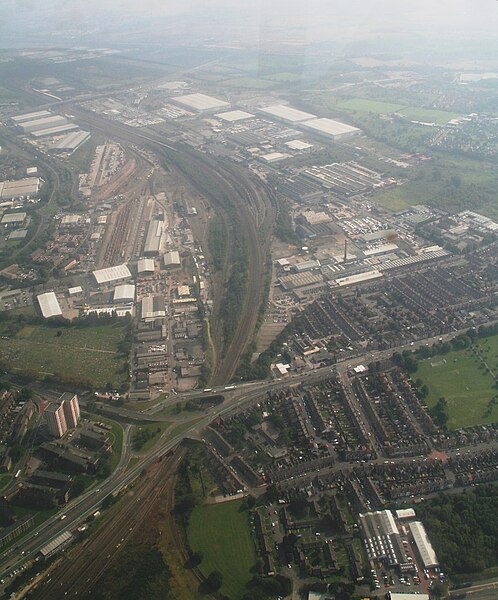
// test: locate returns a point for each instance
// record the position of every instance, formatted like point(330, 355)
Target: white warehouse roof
point(72, 291)
point(234, 115)
point(200, 102)
point(14, 218)
point(405, 513)
point(146, 265)
point(112, 274)
point(124, 292)
point(331, 128)
point(31, 116)
point(172, 258)
point(287, 113)
point(49, 305)
point(423, 544)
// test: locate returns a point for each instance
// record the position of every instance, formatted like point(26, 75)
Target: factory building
point(112, 274)
point(70, 142)
point(124, 293)
point(153, 307)
point(233, 116)
point(146, 265)
point(287, 114)
point(40, 114)
point(331, 129)
point(200, 102)
point(382, 539)
point(54, 130)
point(43, 123)
point(423, 545)
point(49, 305)
point(172, 259)
point(153, 238)
point(14, 220)
point(21, 188)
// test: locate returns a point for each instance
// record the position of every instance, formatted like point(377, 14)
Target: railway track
point(82, 568)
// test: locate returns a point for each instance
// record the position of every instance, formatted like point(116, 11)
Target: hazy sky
point(470, 18)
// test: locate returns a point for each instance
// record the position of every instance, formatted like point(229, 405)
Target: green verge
point(462, 379)
point(222, 533)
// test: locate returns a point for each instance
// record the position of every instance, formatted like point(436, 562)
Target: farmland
point(89, 354)
point(427, 115)
point(216, 527)
point(465, 382)
point(372, 106)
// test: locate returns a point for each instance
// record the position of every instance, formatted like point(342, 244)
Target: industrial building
point(287, 114)
point(234, 115)
point(11, 220)
point(17, 234)
point(57, 544)
point(40, 114)
point(153, 307)
point(54, 130)
point(43, 123)
point(423, 545)
point(331, 129)
point(298, 145)
point(273, 157)
point(146, 265)
point(172, 259)
point(21, 188)
point(382, 539)
point(112, 274)
point(124, 293)
point(200, 102)
point(153, 237)
point(74, 291)
point(70, 142)
point(49, 305)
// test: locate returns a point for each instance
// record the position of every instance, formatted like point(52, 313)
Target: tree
point(214, 581)
point(196, 558)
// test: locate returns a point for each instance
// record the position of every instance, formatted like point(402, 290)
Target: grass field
point(90, 354)
point(464, 383)
point(221, 532)
point(427, 115)
point(373, 106)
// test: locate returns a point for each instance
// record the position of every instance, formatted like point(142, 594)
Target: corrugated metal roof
point(112, 274)
point(49, 305)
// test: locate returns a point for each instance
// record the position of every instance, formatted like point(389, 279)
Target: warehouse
point(10, 190)
point(54, 130)
point(172, 259)
point(146, 265)
point(153, 238)
point(17, 234)
point(74, 291)
point(286, 113)
point(423, 544)
point(381, 538)
point(124, 293)
point(43, 123)
point(234, 115)
point(31, 116)
point(49, 305)
point(298, 145)
point(71, 142)
point(12, 220)
point(57, 544)
point(112, 274)
point(200, 102)
point(358, 278)
point(153, 307)
point(273, 157)
point(331, 129)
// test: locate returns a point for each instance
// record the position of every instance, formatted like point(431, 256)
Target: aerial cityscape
point(248, 300)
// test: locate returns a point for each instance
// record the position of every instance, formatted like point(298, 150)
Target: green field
point(221, 532)
point(373, 106)
point(88, 354)
point(427, 115)
point(463, 381)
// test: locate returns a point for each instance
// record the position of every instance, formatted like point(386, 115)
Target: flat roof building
point(172, 259)
point(423, 544)
point(56, 420)
point(146, 265)
point(71, 407)
point(10, 190)
point(57, 544)
point(13, 219)
point(153, 238)
point(54, 130)
point(200, 102)
point(234, 115)
point(40, 114)
point(112, 274)
point(43, 123)
point(49, 305)
point(74, 291)
point(124, 293)
point(71, 142)
point(153, 307)
point(285, 113)
point(331, 129)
